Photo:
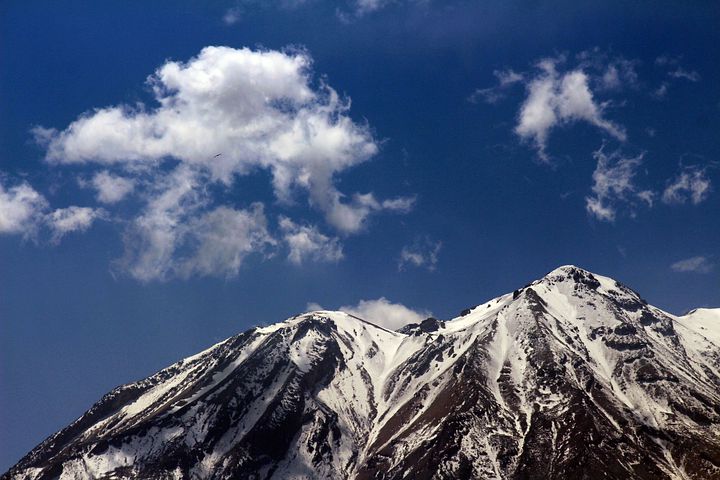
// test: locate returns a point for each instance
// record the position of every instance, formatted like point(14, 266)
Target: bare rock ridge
point(573, 376)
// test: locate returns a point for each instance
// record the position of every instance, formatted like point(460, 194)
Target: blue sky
point(172, 173)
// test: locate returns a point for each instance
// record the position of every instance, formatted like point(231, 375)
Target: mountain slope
point(572, 376)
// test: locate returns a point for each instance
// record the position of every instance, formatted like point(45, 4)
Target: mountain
point(572, 376)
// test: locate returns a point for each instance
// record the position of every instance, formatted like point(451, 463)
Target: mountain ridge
point(574, 366)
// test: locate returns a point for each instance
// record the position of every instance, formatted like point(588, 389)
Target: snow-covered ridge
point(565, 376)
point(704, 321)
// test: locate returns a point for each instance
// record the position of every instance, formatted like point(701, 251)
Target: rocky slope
point(572, 376)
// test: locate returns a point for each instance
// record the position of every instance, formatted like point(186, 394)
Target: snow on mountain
point(571, 376)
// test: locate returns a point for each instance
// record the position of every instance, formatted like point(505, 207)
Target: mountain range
point(573, 376)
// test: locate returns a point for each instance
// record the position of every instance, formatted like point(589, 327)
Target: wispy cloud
point(673, 71)
point(613, 185)
point(72, 219)
point(690, 75)
point(422, 253)
point(232, 16)
point(492, 95)
point(690, 185)
point(177, 235)
point(699, 264)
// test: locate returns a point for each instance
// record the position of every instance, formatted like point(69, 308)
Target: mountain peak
point(568, 364)
point(571, 272)
point(566, 268)
point(576, 275)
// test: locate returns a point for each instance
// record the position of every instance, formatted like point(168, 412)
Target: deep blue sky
point(72, 326)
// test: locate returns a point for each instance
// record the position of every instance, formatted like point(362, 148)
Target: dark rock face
point(426, 326)
point(571, 377)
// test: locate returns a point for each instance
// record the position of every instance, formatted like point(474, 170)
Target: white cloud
point(23, 211)
point(219, 116)
point(155, 234)
point(559, 94)
point(351, 216)
point(556, 99)
point(221, 238)
point(692, 184)
point(111, 188)
point(386, 314)
point(178, 234)
point(313, 306)
point(307, 243)
point(229, 111)
point(21, 208)
point(422, 253)
point(613, 185)
point(72, 219)
point(698, 264)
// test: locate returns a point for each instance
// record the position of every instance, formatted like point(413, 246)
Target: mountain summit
point(572, 376)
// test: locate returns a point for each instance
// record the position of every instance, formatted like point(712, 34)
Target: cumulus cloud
point(613, 185)
point(222, 115)
point(229, 111)
point(556, 99)
point(697, 264)
point(23, 211)
point(306, 242)
point(72, 219)
point(386, 314)
point(421, 253)
point(21, 208)
point(690, 185)
point(111, 188)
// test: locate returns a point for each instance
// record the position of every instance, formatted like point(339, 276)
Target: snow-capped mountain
point(572, 376)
